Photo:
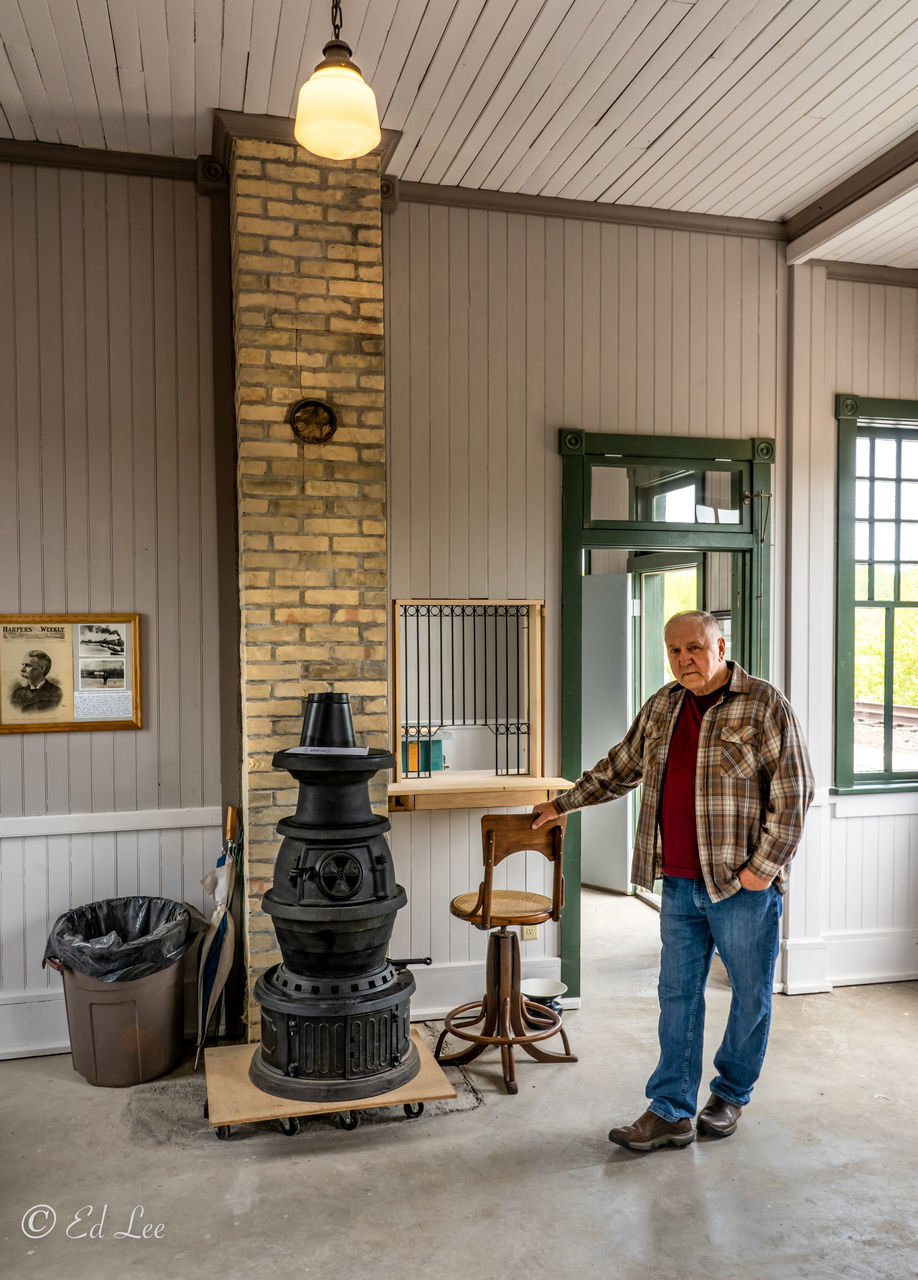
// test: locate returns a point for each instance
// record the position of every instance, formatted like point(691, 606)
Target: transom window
point(655, 491)
point(877, 669)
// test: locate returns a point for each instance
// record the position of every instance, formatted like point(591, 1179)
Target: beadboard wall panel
point(501, 328)
point(107, 494)
point(853, 917)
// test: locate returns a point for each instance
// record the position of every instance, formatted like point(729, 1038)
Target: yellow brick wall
point(308, 303)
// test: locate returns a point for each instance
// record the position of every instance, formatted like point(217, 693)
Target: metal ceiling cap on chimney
point(336, 113)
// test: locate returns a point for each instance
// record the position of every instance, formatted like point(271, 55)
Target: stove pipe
point(335, 1019)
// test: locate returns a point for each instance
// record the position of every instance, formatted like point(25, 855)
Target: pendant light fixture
point(336, 114)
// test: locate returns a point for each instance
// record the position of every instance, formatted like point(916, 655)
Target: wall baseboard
point(33, 1024)
point(859, 958)
point(871, 956)
point(804, 966)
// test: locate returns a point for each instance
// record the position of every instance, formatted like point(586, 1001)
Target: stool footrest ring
point(452, 1027)
point(507, 1018)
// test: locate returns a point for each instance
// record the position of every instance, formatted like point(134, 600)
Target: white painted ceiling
point(747, 108)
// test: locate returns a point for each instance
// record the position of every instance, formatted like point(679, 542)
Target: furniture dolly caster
point(290, 1126)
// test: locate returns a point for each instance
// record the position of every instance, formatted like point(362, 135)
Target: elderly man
point(727, 783)
point(39, 692)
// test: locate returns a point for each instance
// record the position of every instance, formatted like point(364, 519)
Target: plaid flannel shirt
point(753, 783)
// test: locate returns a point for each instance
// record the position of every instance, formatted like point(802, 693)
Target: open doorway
point(651, 527)
point(627, 598)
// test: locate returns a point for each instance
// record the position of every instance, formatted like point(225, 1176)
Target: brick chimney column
point(308, 305)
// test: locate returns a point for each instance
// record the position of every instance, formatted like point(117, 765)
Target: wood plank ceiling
point(745, 108)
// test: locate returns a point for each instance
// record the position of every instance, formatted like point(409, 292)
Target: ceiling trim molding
point(866, 272)
point(589, 210)
point(809, 245)
point(97, 159)
point(238, 124)
point(873, 175)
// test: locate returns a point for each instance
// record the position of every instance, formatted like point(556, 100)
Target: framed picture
point(69, 671)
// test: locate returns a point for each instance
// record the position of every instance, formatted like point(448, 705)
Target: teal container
point(424, 756)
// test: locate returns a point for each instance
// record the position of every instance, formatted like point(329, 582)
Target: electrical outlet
point(529, 932)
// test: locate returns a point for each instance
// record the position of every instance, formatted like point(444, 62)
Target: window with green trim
point(877, 625)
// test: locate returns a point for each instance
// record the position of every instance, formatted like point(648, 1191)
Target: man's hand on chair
point(544, 812)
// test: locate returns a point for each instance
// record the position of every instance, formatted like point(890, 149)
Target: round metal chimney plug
point(312, 421)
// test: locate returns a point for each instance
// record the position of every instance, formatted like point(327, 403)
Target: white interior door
point(606, 667)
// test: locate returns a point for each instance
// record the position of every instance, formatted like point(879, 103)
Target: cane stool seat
point(508, 906)
point(507, 1018)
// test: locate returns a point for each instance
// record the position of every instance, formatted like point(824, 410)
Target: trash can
point(123, 986)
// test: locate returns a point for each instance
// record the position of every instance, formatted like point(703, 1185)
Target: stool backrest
point(506, 833)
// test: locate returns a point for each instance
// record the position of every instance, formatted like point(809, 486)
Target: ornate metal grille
point(465, 686)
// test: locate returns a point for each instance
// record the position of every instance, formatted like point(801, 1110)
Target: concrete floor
point(819, 1181)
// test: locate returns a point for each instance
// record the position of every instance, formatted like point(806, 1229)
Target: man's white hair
point(706, 620)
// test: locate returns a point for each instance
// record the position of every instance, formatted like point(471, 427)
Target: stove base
point(333, 1048)
point(302, 1089)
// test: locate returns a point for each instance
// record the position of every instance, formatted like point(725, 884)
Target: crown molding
point(99, 160)
point(589, 210)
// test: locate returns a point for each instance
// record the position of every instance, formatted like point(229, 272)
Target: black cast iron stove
point(335, 1013)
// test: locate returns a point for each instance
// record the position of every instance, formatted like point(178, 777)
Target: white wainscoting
point(852, 901)
point(50, 864)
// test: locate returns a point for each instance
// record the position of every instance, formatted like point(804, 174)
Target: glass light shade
point(336, 114)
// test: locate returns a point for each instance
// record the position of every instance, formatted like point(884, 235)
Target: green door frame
point(580, 450)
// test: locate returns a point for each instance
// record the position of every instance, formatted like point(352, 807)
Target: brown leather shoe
point(651, 1131)
point(718, 1118)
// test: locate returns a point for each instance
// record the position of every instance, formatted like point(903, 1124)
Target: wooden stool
point(507, 1017)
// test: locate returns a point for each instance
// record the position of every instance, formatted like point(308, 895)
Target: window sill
point(876, 788)
point(874, 801)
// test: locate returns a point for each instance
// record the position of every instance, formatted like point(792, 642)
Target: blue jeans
point(744, 929)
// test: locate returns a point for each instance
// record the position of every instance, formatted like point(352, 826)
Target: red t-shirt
point(677, 806)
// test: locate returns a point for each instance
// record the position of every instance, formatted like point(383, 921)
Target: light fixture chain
point(336, 18)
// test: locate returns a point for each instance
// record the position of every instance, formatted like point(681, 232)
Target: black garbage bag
point(121, 939)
